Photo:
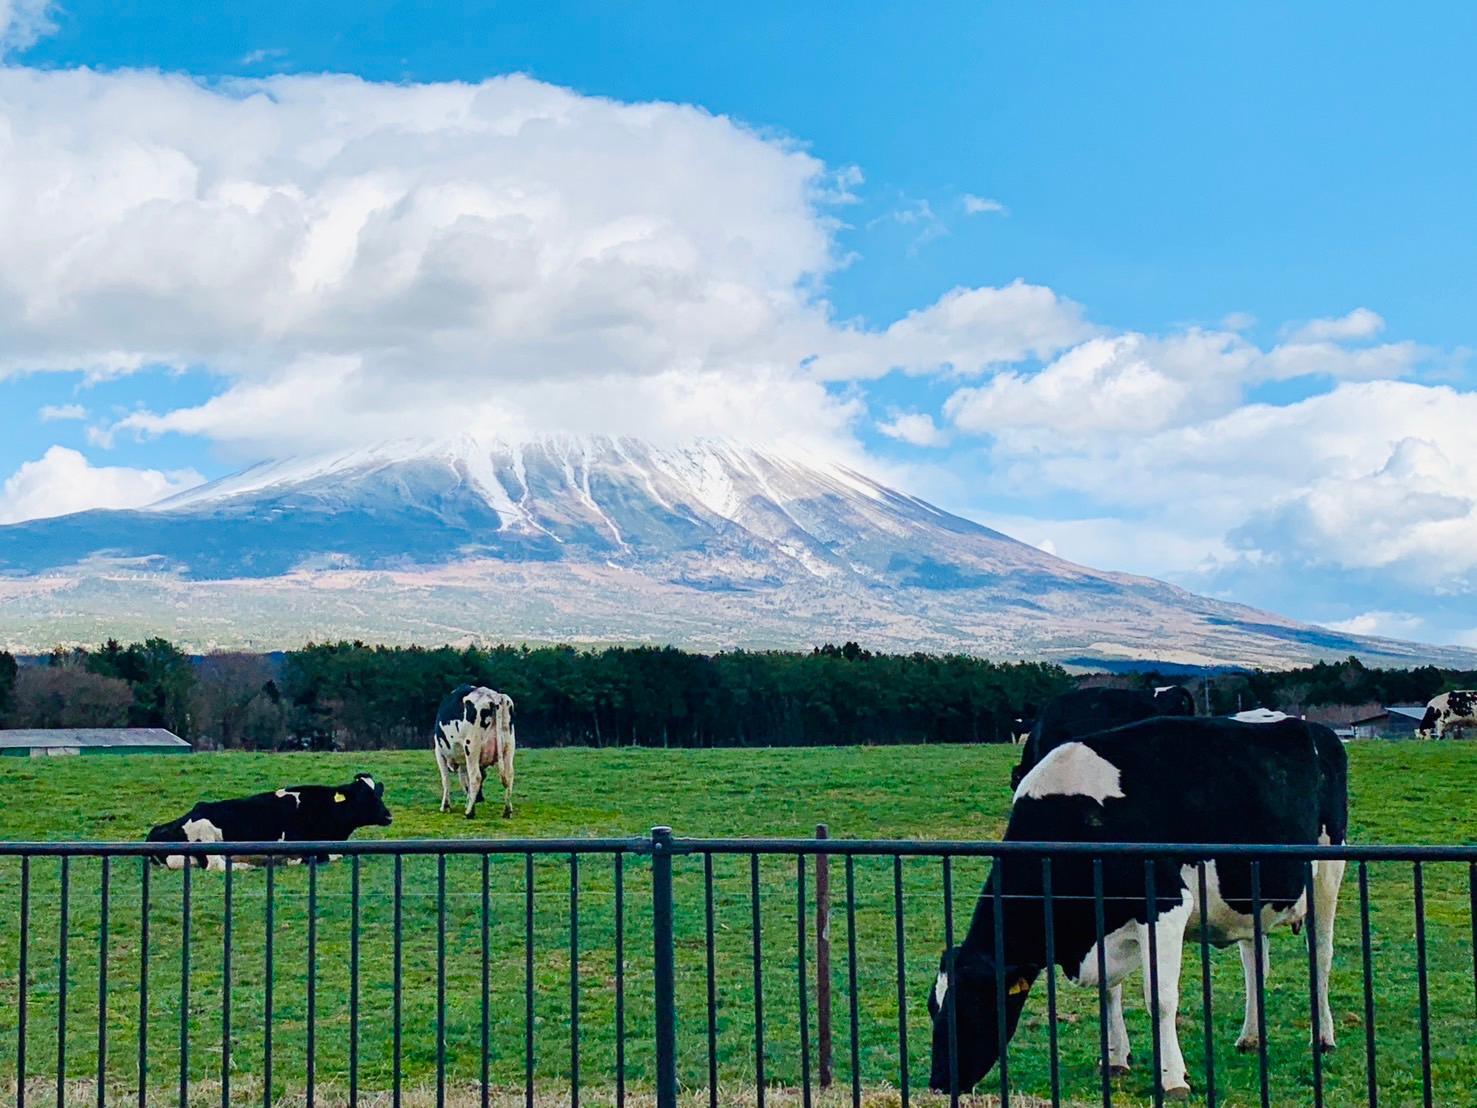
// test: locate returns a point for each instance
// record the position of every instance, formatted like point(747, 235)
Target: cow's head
point(366, 799)
point(1174, 700)
point(967, 992)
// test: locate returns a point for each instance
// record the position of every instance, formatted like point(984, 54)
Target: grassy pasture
point(1402, 793)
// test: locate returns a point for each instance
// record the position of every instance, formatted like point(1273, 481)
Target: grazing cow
point(474, 730)
point(1449, 710)
point(1085, 711)
point(1157, 781)
point(299, 813)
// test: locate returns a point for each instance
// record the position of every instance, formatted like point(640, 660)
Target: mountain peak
point(706, 543)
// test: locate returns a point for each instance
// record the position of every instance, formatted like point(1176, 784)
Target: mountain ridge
point(706, 544)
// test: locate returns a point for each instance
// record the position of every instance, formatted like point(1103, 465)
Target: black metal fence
point(504, 971)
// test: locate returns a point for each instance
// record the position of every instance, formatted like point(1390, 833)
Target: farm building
point(1396, 721)
point(45, 742)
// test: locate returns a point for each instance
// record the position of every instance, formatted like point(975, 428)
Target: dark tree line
point(353, 696)
point(365, 696)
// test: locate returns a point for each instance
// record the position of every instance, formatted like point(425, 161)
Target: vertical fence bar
point(528, 980)
point(354, 890)
point(950, 1013)
point(1102, 981)
point(574, 981)
point(397, 955)
point(620, 980)
point(1314, 1015)
point(1151, 904)
point(1260, 980)
point(902, 979)
point(225, 984)
point(312, 1024)
point(803, 996)
point(1048, 926)
point(184, 985)
point(758, 982)
point(851, 989)
point(712, 982)
point(1205, 1000)
point(486, 1084)
point(268, 979)
point(997, 908)
point(61, 987)
point(102, 985)
point(23, 981)
point(1472, 897)
point(1370, 1073)
point(441, 981)
point(665, 968)
point(1425, 997)
point(824, 1045)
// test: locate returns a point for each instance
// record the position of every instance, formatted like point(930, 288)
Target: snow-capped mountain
point(707, 544)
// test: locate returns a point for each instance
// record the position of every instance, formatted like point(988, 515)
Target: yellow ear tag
point(1021, 985)
point(339, 798)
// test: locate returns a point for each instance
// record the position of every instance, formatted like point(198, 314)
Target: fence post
point(823, 958)
point(665, 968)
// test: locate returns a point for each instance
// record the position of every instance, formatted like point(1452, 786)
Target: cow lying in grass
point(299, 813)
point(1163, 780)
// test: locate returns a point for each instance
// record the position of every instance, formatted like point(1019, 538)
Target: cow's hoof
point(1246, 1046)
point(468, 815)
point(1118, 1071)
point(1179, 1092)
point(507, 813)
point(1327, 1047)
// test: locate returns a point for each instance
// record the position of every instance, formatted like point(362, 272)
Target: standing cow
point(474, 731)
point(1450, 710)
point(1159, 781)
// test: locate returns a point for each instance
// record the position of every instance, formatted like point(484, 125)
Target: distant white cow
point(1450, 710)
point(474, 731)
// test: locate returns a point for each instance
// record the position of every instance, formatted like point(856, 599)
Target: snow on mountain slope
point(710, 543)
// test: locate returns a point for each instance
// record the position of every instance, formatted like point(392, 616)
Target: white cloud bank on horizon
point(63, 481)
point(359, 260)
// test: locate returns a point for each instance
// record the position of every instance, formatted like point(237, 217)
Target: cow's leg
point(1250, 1037)
point(1119, 1057)
point(445, 779)
point(1328, 875)
point(505, 772)
point(473, 783)
point(1169, 943)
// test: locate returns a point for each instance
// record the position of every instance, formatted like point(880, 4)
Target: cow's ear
point(379, 788)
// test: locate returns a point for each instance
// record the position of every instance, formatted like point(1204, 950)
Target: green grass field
point(1401, 793)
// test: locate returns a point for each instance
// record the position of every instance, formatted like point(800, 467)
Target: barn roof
point(1416, 712)
point(42, 737)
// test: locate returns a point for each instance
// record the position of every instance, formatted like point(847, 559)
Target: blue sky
point(1207, 196)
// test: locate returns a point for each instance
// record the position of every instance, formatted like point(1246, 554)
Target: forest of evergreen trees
point(352, 696)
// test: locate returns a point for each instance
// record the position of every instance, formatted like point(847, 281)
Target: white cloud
point(22, 22)
point(52, 413)
point(1361, 323)
point(265, 54)
point(63, 481)
point(967, 331)
point(979, 205)
point(915, 428)
point(1390, 625)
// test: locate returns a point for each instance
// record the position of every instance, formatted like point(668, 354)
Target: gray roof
point(39, 738)
point(1414, 711)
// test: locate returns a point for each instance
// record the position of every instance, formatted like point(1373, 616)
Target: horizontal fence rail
point(543, 971)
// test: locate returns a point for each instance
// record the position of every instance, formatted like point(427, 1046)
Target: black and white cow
point(298, 813)
point(1158, 781)
point(1085, 711)
point(1448, 711)
point(474, 731)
